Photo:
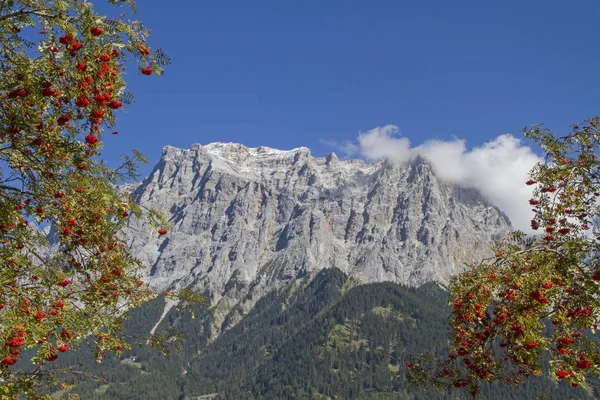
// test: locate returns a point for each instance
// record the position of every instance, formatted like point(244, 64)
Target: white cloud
point(498, 169)
point(384, 142)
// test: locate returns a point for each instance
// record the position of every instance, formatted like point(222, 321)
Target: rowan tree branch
point(24, 11)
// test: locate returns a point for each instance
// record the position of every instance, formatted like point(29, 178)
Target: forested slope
point(315, 339)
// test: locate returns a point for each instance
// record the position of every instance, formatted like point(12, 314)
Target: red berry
point(39, 315)
point(66, 39)
point(64, 282)
point(9, 361)
point(115, 104)
point(584, 364)
point(75, 47)
point(65, 334)
point(96, 31)
point(534, 225)
point(565, 341)
point(91, 139)
point(144, 50)
point(562, 374)
point(63, 119)
point(97, 113)
point(82, 102)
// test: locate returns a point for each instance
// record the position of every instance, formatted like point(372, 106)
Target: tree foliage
point(66, 272)
point(533, 308)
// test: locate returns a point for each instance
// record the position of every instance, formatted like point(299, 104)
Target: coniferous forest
point(320, 338)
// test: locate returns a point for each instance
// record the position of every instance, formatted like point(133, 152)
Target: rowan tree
point(67, 274)
point(538, 298)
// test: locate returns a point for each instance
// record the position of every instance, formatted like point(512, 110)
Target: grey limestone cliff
point(250, 219)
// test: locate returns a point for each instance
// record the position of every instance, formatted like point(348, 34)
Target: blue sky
point(289, 74)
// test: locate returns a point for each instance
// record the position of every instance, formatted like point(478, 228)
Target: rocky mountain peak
point(331, 158)
point(251, 219)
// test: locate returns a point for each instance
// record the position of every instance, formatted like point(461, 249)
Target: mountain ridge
point(252, 219)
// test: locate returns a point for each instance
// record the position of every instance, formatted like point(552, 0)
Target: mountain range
point(247, 220)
